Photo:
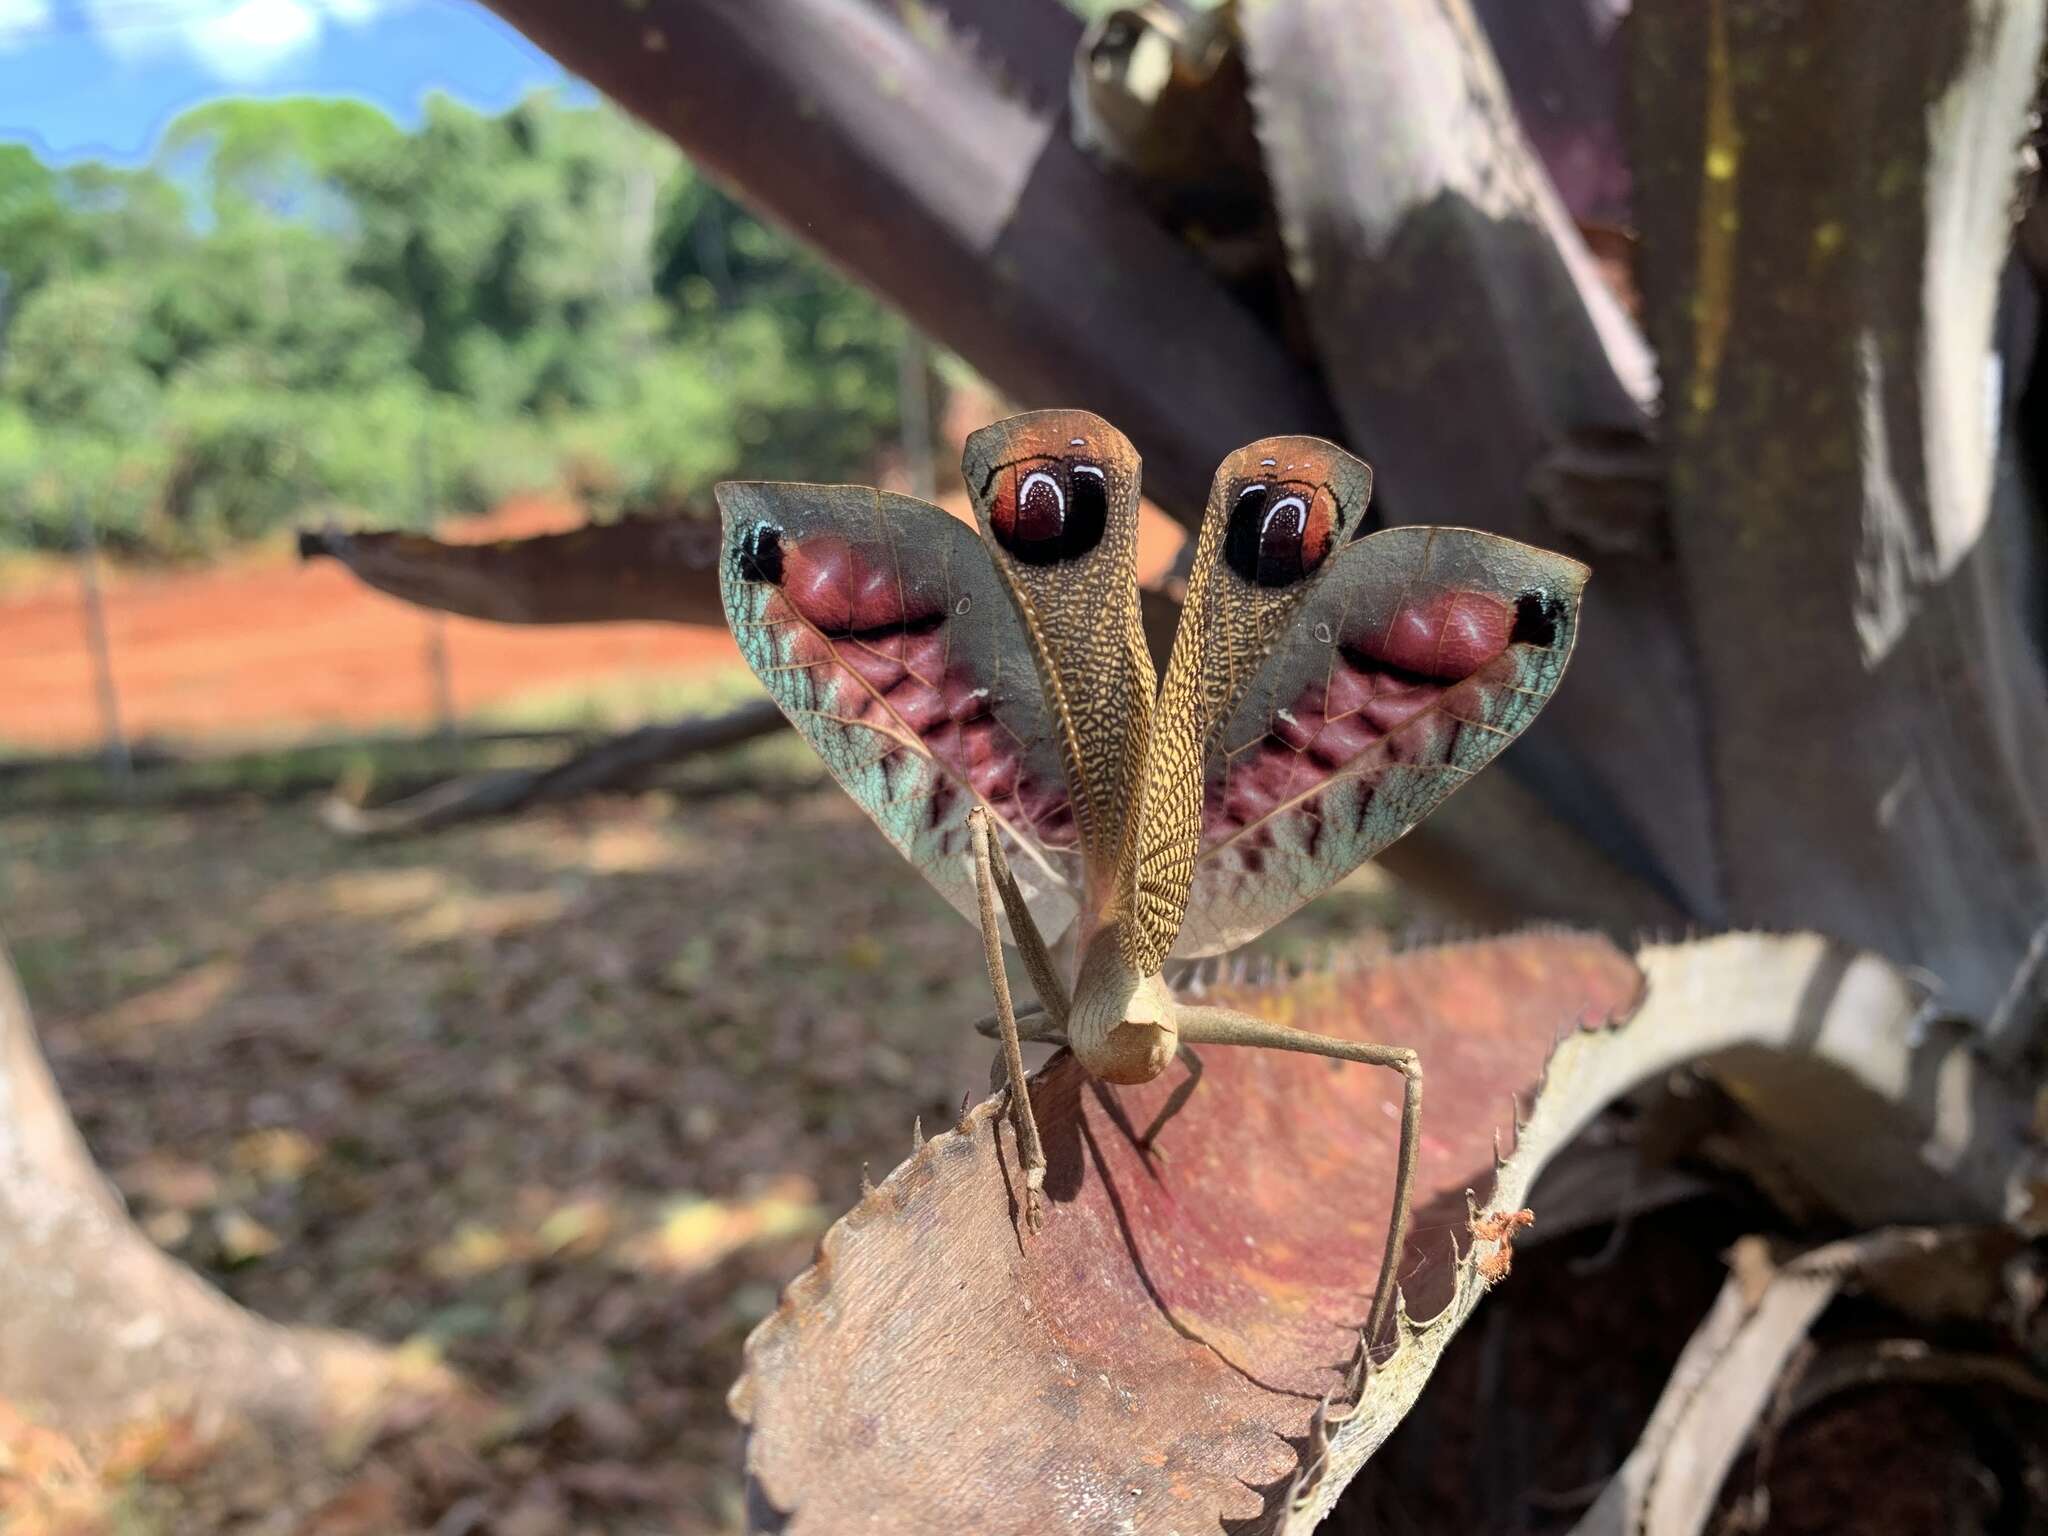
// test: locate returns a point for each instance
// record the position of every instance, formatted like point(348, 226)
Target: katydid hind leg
point(1224, 1026)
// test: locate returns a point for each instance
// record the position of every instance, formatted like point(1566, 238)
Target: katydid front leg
point(1037, 954)
point(991, 875)
point(1224, 1026)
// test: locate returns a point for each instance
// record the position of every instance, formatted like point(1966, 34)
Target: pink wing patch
point(879, 625)
point(1399, 696)
point(883, 659)
point(1447, 635)
point(1423, 653)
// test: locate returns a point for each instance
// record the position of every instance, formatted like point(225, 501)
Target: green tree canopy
point(298, 304)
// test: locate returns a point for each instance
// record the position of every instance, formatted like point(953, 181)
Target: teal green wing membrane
point(1419, 656)
point(880, 626)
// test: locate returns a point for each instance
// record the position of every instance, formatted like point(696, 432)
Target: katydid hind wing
point(880, 626)
point(1421, 654)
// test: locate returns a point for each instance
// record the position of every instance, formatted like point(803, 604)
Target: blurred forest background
point(300, 307)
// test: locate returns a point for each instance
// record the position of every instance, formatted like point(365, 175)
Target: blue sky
point(100, 79)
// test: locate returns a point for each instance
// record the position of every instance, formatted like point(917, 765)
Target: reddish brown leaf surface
point(636, 568)
point(1151, 1360)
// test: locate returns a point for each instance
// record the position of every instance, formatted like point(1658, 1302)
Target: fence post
point(439, 675)
point(120, 762)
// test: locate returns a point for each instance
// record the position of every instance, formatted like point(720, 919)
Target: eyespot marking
point(1049, 509)
point(760, 554)
point(1280, 532)
point(1537, 616)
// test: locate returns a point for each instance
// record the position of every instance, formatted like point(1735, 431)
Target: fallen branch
point(635, 568)
point(623, 760)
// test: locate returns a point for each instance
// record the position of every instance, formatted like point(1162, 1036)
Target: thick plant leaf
point(1155, 1358)
point(1154, 1355)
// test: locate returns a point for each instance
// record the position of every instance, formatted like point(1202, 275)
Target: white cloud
point(351, 12)
point(20, 17)
point(241, 41)
point(249, 41)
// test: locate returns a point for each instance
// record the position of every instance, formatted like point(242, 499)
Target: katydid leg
point(1029, 1148)
point(1224, 1026)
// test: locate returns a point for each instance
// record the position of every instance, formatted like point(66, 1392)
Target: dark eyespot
point(1537, 617)
point(760, 554)
point(1050, 510)
point(1279, 533)
point(1088, 500)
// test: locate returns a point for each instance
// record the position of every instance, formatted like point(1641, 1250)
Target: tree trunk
point(98, 1326)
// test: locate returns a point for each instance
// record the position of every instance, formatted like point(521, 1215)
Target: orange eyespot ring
point(1050, 509)
point(1280, 531)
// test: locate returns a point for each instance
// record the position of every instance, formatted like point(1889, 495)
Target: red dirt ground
point(263, 646)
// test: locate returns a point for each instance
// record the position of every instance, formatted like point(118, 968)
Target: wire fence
point(108, 646)
point(99, 616)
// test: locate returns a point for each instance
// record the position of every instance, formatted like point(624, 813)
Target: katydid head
point(1122, 1026)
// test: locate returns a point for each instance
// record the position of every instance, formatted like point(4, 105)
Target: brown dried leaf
point(1827, 1051)
point(1152, 1359)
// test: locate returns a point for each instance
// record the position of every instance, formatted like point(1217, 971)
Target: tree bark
point(98, 1326)
point(1826, 210)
